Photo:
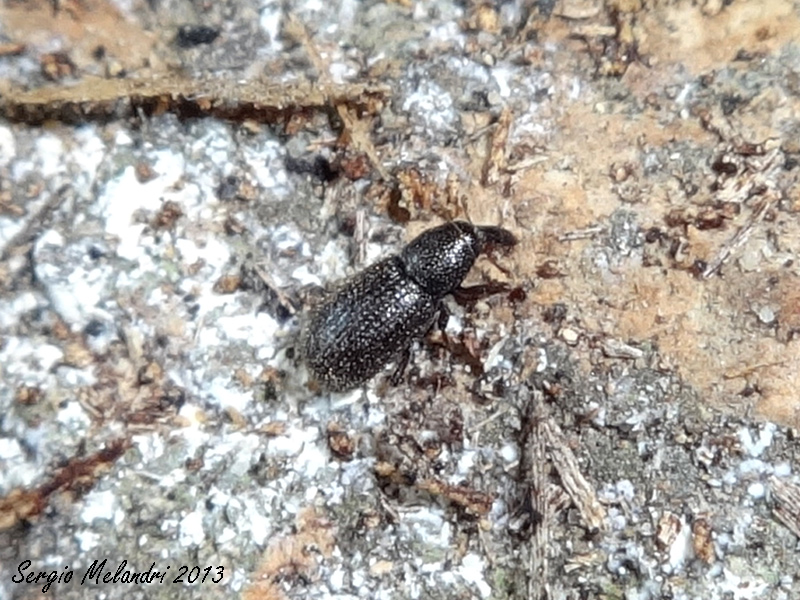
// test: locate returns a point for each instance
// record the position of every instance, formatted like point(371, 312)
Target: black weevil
point(372, 318)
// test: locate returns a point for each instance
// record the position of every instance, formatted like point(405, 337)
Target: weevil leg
point(473, 293)
point(440, 324)
point(442, 317)
point(494, 238)
point(492, 259)
point(396, 378)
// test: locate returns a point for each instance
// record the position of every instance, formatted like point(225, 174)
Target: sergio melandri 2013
point(99, 573)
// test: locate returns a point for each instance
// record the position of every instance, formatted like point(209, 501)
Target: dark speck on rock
point(94, 328)
point(274, 307)
point(174, 397)
point(96, 253)
point(320, 168)
point(347, 225)
point(228, 189)
point(190, 36)
point(555, 313)
point(730, 103)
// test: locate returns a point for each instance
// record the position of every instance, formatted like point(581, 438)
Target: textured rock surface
point(621, 425)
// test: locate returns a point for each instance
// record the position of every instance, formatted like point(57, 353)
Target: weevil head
point(492, 237)
point(440, 258)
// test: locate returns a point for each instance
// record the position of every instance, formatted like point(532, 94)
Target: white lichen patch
point(28, 362)
point(191, 529)
point(755, 446)
point(123, 196)
point(15, 469)
point(8, 145)
point(472, 571)
point(103, 506)
point(432, 108)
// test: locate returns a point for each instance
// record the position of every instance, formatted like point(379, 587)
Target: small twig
point(526, 163)
point(581, 234)
point(747, 371)
point(95, 97)
point(270, 283)
point(580, 491)
point(360, 236)
point(34, 224)
point(739, 238)
point(786, 498)
point(496, 158)
point(493, 417)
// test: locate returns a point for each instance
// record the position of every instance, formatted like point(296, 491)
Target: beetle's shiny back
point(374, 316)
point(365, 324)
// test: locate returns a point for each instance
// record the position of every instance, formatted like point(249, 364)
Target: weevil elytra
point(372, 318)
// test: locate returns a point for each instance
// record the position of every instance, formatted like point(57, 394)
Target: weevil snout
point(492, 236)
